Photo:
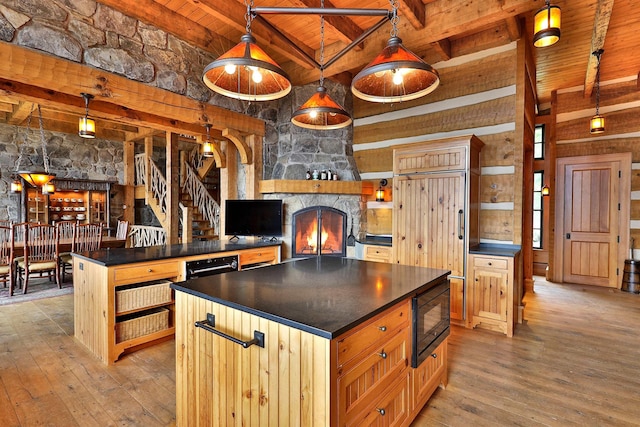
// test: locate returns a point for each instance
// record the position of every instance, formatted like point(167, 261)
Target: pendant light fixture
point(396, 74)
point(546, 25)
point(86, 125)
point(207, 146)
point(38, 178)
point(246, 72)
point(320, 112)
point(597, 121)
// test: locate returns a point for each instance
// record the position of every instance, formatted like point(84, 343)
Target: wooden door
point(429, 231)
point(490, 294)
point(593, 218)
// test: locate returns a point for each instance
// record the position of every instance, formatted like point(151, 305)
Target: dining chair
point(40, 254)
point(6, 257)
point(6, 223)
point(86, 237)
point(122, 231)
point(65, 229)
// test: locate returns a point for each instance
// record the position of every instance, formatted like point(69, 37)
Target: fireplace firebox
point(319, 230)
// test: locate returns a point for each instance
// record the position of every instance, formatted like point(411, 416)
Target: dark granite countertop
point(325, 296)
point(376, 240)
point(119, 256)
point(495, 249)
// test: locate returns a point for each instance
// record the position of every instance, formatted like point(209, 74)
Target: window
point(538, 182)
point(538, 143)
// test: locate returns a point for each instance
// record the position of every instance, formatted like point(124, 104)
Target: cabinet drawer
point(364, 383)
point(257, 256)
point(145, 272)
point(377, 253)
point(374, 333)
point(486, 262)
point(446, 159)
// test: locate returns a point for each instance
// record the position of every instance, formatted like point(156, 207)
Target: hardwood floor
point(575, 361)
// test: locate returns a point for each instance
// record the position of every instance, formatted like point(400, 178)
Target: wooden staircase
point(201, 229)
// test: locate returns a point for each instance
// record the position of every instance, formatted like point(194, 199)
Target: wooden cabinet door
point(429, 226)
point(490, 294)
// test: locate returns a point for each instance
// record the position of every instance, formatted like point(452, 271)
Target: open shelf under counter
point(315, 186)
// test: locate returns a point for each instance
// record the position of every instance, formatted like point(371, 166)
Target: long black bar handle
point(460, 224)
point(210, 323)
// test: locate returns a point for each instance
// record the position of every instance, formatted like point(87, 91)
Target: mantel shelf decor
point(315, 187)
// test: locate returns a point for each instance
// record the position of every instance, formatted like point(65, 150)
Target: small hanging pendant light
point(320, 112)
point(596, 124)
point(86, 125)
point(16, 185)
point(546, 25)
point(207, 146)
point(38, 178)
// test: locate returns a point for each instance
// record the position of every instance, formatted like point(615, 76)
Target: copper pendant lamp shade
point(546, 26)
point(320, 112)
point(247, 73)
point(395, 75)
point(37, 178)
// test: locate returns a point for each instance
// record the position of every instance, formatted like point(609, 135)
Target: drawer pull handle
point(490, 264)
point(381, 411)
point(382, 328)
point(383, 355)
point(149, 270)
point(210, 323)
point(435, 356)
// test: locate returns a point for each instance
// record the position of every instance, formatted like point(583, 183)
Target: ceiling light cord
point(322, 45)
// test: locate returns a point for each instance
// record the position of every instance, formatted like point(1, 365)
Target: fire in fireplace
point(319, 230)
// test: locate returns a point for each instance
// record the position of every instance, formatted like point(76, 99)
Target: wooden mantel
point(315, 186)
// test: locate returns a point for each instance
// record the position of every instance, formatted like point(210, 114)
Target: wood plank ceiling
point(437, 30)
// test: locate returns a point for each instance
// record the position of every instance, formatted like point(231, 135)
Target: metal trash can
point(631, 276)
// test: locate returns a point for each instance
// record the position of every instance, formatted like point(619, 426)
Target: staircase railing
point(158, 184)
point(201, 198)
point(144, 235)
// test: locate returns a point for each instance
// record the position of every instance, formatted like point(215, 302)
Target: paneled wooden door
point(594, 218)
point(429, 231)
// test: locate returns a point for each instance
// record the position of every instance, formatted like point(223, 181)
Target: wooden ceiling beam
point(343, 25)
point(443, 48)
point(20, 113)
point(450, 19)
point(413, 11)
point(600, 27)
point(123, 100)
point(232, 13)
point(153, 13)
point(513, 28)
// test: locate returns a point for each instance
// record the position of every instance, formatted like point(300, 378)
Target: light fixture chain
point(24, 140)
point(394, 17)
point(598, 54)
point(45, 155)
point(322, 45)
point(248, 15)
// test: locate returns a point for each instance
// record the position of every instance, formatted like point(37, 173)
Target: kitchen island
point(322, 341)
point(122, 298)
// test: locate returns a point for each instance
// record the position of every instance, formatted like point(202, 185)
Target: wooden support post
point(128, 213)
point(173, 188)
point(228, 180)
point(253, 172)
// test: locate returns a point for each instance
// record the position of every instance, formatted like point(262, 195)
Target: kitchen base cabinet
point(108, 331)
point(493, 293)
point(362, 377)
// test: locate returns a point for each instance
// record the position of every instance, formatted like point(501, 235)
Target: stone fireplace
point(319, 230)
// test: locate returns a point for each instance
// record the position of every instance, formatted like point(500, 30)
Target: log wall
point(477, 95)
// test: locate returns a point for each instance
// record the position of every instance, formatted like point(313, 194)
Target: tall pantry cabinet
point(436, 208)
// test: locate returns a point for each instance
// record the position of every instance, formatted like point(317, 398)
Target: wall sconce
point(48, 188)
point(207, 146)
point(596, 124)
point(545, 190)
point(86, 125)
point(380, 191)
point(546, 26)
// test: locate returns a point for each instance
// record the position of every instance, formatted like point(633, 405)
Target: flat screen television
point(253, 218)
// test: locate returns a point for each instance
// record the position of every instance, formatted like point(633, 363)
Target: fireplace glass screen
point(319, 230)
